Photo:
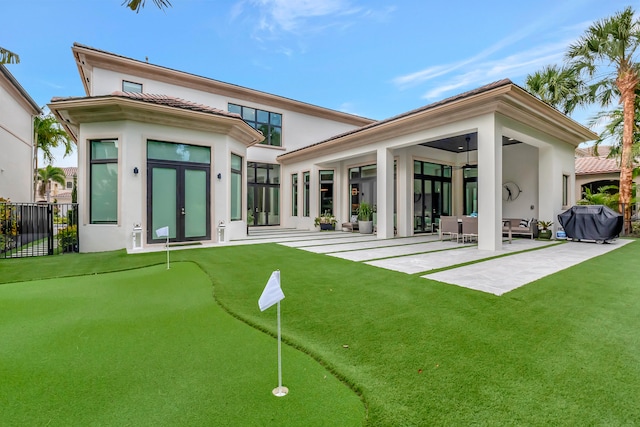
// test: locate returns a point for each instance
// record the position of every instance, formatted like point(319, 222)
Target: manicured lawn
point(564, 350)
point(149, 347)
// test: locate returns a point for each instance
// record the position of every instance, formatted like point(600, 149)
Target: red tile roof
point(166, 100)
point(593, 165)
point(172, 101)
point(70, 171)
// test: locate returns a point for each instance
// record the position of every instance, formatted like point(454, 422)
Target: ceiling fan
point(466, 147)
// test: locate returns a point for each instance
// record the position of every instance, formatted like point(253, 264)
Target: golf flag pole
point(272, 294)
point(164, 232)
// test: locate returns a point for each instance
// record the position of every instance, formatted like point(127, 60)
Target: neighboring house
point(595, 171)
point(17, 111)
point(160, 147)
point(62, 193)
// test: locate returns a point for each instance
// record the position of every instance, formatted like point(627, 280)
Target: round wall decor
point(510, 191)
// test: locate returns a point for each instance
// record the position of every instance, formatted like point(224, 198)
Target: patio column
point(385, 193)
point(549, 184)
point(490, 184)
point(404, 219)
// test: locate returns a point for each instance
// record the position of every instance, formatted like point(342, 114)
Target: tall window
point(565, 190)
point(326, 192)
point(104, 182)
point(305, 195)
point(294, 194)
point(270, 124)
point(236, 187)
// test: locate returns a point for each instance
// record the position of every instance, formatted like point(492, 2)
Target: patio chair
point(352, 225)
point(449, 225)
point(469, 228)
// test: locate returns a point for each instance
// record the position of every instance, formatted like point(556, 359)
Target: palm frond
point(8, 57)
point(136, 5)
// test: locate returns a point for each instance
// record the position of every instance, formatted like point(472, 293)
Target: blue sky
point(371, 58)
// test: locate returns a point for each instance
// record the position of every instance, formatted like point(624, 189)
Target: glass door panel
point(195, 203)
point(251, 206)
point(164, 200)
point(261, 208)
point(470, 197)
point(274, 206)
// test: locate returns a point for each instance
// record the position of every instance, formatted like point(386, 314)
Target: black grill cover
point(591, 222)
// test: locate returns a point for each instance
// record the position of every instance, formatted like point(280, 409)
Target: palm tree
point(560, 87)
point(8, 57)
point(611, 44)
point(47, 176)
point(48, 135)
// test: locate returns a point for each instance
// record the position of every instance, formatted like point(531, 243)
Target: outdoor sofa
point(520, 227)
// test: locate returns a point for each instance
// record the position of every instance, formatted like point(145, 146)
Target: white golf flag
point(162, 232)
point(272, 293)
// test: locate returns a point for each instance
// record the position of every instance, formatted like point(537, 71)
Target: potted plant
point(365, 218)
point(545, 232)
point(326, 221)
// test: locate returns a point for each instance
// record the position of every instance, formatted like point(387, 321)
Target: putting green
point(151, 347)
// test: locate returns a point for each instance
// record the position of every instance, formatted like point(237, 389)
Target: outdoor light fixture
point(135, 170)
point(219, 176)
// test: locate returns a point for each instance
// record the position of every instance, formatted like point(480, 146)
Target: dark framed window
point(306, 182)
point(565, 190)
point(236, 187)
point(326, 192)
point(270, 124)
point(131, 87)
point(69, 185)
point(470, 175)
point(103, 176)
point(294, 194)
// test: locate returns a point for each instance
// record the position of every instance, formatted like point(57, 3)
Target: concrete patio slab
point(447, 258)
point(376, 243)
point(396, 253)
point(501, 275)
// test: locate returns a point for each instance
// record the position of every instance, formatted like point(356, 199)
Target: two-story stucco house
point(17, 111)
point(160, 147)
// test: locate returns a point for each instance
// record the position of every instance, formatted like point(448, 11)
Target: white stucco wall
point(132, 189)
point(16, 148)
point(520, 165)
point(298, 130)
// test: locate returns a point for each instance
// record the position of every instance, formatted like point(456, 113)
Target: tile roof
point(166, 100)
point(172, 101)
point(70, 171)
point(593, 165)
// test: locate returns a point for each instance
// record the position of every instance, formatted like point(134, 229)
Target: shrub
point(68, 238)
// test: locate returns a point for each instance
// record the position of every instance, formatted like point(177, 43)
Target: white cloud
point(487, 66)
point(291, 15)
point(275, 19)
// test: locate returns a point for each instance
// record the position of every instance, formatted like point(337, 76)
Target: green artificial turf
point(150, 347)
point(564, 350)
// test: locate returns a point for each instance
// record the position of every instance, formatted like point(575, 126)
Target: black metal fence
point(37, 229)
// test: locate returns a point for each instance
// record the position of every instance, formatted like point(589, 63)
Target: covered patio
point(498, 131)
